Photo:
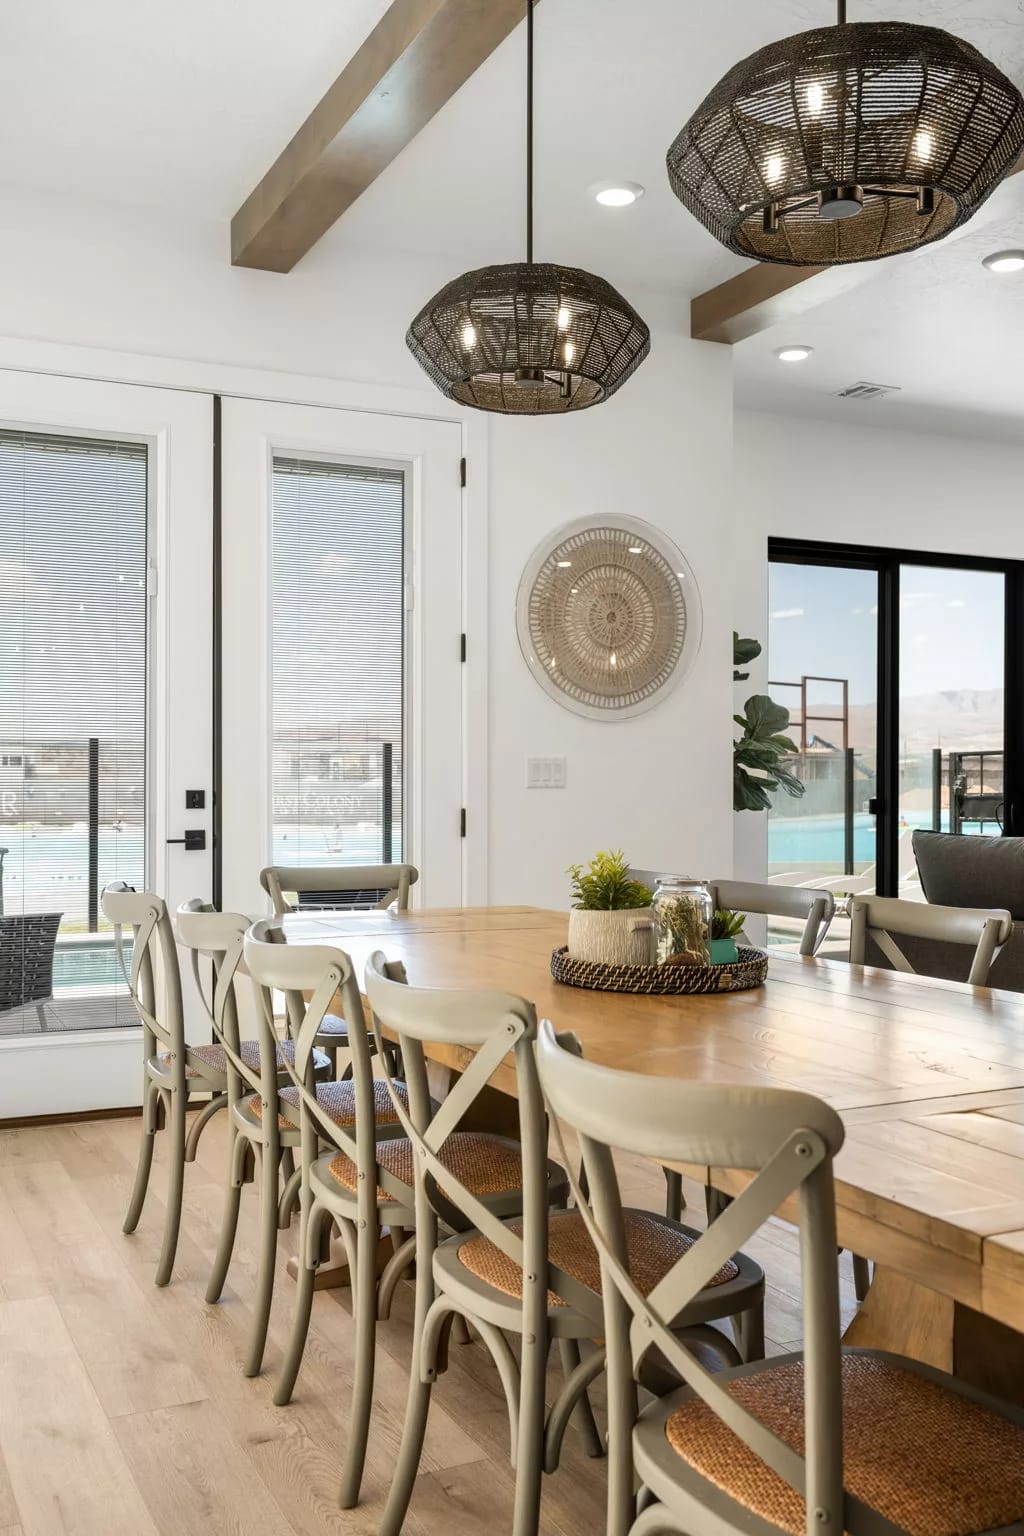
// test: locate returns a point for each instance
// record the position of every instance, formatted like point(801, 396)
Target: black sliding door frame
point(886, 563)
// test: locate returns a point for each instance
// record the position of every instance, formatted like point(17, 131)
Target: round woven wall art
point(608, 616)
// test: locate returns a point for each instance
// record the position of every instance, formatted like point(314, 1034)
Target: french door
point(341, 708)
point(903, 673)
point(105, 712)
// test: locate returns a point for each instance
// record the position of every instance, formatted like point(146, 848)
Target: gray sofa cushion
point(965, 871)
point(951, 962)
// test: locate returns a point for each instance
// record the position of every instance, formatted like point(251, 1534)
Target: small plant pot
point(723, 952)
point(613, 938)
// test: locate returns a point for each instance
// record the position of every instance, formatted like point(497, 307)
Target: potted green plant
point(762, 750)
point(611, 921)
point(726, 928)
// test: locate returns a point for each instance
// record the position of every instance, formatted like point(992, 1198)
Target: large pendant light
point(529, 338)
point(848, 143)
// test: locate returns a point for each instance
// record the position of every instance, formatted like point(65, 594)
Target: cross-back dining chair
point(351, 1179)
point(882, 920)
point(261, 1137)
point(174, 1073)
point(533, 1274)
point(818, 1443)
point(338, 887)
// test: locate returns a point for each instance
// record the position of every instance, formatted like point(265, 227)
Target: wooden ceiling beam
point(768, 294)
point(414, 60)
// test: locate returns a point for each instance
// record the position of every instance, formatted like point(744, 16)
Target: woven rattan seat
point(212, 1056)
point(338, 1100)
point(484, 1164)
point(654, 1246)
point(931, 1461)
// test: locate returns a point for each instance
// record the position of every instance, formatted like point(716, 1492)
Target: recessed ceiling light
point(616, 194)
point(1004, 261)
point(794, 354)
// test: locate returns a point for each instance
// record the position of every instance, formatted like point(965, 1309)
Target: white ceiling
point(181, 105)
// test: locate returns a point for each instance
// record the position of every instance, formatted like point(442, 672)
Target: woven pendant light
point(848, 143)
point(528, 338)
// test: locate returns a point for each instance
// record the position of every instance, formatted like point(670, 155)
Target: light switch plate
point(545, 773)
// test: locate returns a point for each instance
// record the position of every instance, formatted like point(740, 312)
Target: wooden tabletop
point(928, 1075)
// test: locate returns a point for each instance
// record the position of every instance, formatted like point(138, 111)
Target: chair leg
point(530, 1443)
point(364, 1317)
point(748, 1328)
point(308, 1236)
point(583, 1414)
point(421, 1379)
point(228, 1225)
point(199, 1124)
point(674, 1203)
point(145, 1162)
point(175, 1185)
point(270, 1153)
point(861, 1276)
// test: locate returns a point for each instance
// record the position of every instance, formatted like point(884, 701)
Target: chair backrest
point(27, 943)
point(486, 1027)
point(338, 886)
point(787, 1140)
point(882, 918)
point(219, 937)
point(154, 955)
point(319, 972)
point(815, 906)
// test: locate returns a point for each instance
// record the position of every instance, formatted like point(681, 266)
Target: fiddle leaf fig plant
point(605, 885)
point(758, 754)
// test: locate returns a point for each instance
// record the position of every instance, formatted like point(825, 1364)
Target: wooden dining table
point(927, 1075)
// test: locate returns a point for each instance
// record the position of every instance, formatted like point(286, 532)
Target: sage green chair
point(174, 1074)
point(360, 1183)
point(759, 1449)
point(882, 920)
point(338, 887)
point(260, 1134)
point(533, 1275)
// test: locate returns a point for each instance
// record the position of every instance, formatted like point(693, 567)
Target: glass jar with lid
point(683, 914)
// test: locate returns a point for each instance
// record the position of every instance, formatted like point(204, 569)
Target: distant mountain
point(957, 719)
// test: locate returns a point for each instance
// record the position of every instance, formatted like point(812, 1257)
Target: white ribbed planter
point(613, 938)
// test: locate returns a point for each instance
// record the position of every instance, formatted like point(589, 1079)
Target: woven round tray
point(748, 971)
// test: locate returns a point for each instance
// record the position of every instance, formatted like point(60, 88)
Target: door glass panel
point(951, 705)
point(822, 665)
point(72, 722)
point(338, 639)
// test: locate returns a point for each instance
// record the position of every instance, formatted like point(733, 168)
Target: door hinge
point(462, 647)
point(462, 472)
point(462, 822)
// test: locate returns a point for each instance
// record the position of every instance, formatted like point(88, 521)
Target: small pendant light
point(528, 338)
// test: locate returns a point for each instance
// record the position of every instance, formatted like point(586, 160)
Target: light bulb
point(815, 99)
point(563, 565)
point(635, 549)
point(563, 318)
point(924, 144)
point(568, 352)
point(468, 335)
point(613, 659)
point(793, 354)
point(773, 168)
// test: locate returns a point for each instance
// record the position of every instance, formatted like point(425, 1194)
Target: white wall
point(811, 479)
point(661, 450)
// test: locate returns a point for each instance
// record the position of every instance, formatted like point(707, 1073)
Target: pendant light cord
point(529, 132)
point(841, 12)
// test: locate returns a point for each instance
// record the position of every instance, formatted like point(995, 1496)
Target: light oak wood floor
point(123, 1411)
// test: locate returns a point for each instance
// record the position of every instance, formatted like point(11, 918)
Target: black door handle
point(194, 841)
point(873, 806)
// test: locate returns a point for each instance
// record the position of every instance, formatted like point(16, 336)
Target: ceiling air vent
point(862, 390)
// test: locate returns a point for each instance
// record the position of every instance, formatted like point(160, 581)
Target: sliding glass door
point(900, 672)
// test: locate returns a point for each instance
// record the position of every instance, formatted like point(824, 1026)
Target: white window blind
point(72, 721)
point(338, 663)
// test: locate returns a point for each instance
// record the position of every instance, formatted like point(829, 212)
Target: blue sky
point(823, 622)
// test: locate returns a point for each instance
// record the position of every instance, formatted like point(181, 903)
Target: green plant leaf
point(764, 717)
point(748, 794)
point(744, 651)
point(605, 884)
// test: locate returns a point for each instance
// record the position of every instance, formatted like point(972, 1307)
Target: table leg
point(908, 1319)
